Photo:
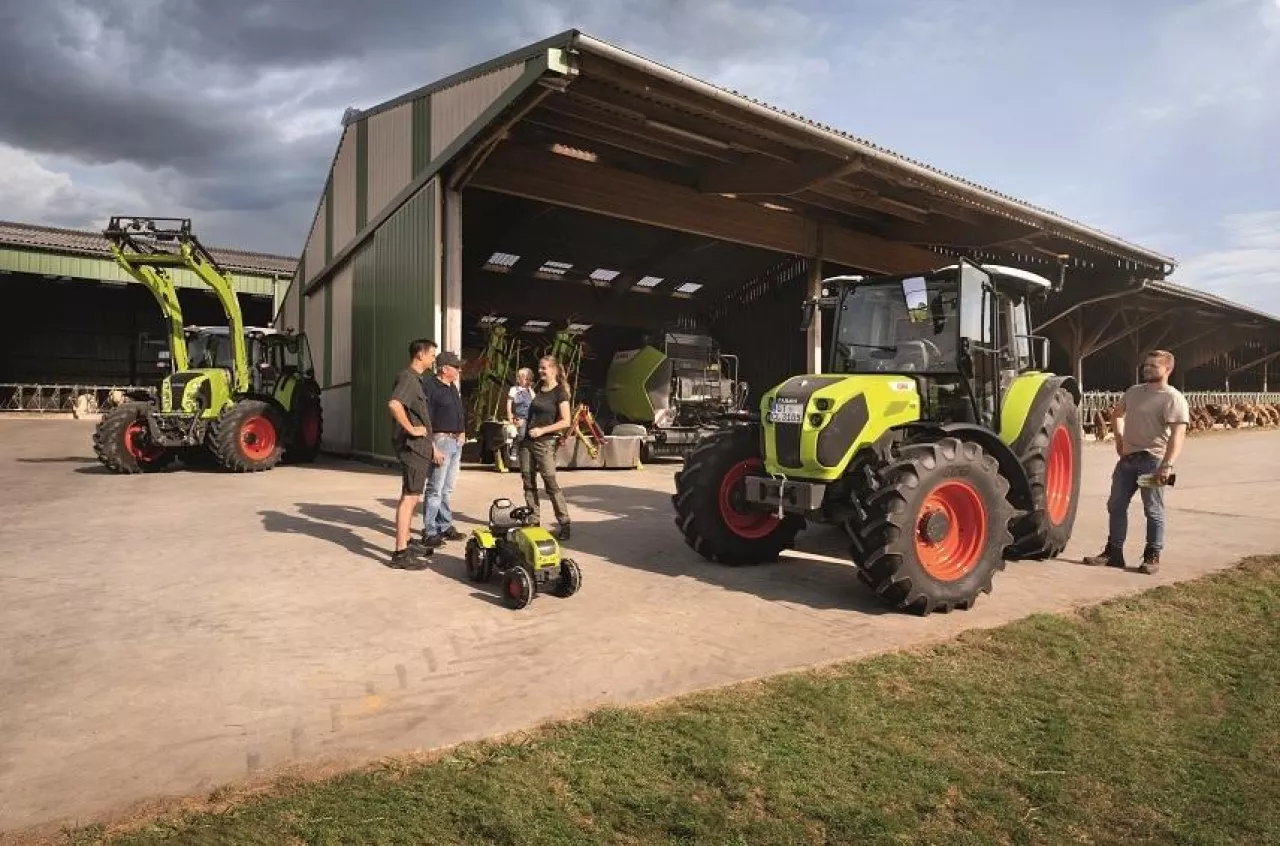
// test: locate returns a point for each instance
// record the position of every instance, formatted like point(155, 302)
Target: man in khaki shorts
point(1151, 425)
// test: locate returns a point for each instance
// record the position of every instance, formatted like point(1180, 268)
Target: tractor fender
point(1010, 467)
point(484, 538)
point(1034, 411)
point(269, 400)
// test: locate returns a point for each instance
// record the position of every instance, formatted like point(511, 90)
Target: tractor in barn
point(937, 438)
point(241, 397)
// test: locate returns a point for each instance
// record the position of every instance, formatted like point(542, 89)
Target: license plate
point(786, 411)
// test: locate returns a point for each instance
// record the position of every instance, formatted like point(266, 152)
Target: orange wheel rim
point(951, 531)
point(1057, 482)
point(137, 443)
point(257, 438)
point(749, 525)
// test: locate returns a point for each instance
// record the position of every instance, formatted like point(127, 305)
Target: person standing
point(449, 433)
point(411, 441)
point(1151, 427)
point(518, 400)
point(548, 414)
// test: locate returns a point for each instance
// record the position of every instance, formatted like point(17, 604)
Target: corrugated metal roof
point(1205, 298)
point(89, 243)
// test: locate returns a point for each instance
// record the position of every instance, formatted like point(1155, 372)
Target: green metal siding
point(105, 270)
point(393, 303)
point(421, 134)
point(362, 174)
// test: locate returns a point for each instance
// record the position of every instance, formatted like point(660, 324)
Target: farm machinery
point(672, 397)
point(241, 397)
point(936, 438)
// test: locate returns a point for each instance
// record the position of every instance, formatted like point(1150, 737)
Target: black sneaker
point(1109, 557)
point(562, 534)
point(431, 542)
point(1150, 562)
point(406, 559)
point(452, 534)
point(420, 548)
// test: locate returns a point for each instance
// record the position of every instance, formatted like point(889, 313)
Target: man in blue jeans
point(1151, 425)
point(448, 428)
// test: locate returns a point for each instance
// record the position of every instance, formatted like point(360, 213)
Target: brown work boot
point(1150, 562)
point(1110, 556)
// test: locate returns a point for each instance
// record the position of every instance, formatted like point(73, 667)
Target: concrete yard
point(163, 635)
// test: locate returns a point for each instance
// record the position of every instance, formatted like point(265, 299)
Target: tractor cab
point(273, 355)
point(962, 333)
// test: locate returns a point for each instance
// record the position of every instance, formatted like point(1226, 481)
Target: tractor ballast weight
point(936, 439)
point(244, 397)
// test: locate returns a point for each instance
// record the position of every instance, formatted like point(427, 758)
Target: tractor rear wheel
point(936, 527)
point(1051, 454)
point(709, 502)
point(122, 441)
point(247, 437)
point(308, 426)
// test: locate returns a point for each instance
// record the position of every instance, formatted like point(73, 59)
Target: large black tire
point(479, 561)
point(1051, 453)
point(707, 489)
point(570, 580)
point(518, 588)
point(123, 444)
point(248, 436)
point(308, 425)
point(935, 528)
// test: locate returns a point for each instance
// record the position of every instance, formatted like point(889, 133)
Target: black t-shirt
point(444, 405)
point(545, 408)
point(408, 390)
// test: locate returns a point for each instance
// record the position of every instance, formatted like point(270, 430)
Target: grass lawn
point(1152, 719)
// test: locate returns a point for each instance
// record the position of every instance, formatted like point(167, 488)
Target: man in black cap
point(449, 425)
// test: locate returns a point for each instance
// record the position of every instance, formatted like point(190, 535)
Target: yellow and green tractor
point(240, 397)
point(936, 437)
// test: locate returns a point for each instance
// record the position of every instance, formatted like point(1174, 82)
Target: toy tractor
point(937, 439)
point(244, 397)
point(527, 556)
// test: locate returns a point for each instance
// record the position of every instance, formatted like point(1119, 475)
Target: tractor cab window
point(899, 326)
point(210, 351)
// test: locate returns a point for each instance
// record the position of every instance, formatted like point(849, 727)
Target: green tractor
point(236, 396)
point(937, 439)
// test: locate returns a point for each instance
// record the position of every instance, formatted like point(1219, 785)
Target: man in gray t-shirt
point(1151, 425)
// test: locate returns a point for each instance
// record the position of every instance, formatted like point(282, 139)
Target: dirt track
point(166, 634)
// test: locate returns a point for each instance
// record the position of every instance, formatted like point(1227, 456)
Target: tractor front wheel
point(1051, 455)
point(247, 437)
point(122, 441)
point(936, 527)
point(710, 502)
point(518, 588)
point(570, 580)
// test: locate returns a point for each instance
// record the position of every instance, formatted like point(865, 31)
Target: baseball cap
point(448, 359)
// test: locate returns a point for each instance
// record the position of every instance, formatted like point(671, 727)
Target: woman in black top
point(548, 415)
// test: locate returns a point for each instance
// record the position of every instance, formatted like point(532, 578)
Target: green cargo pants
point(539, 457)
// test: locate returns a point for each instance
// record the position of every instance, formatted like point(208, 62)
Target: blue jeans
point(1124, 482)
point(436, 515)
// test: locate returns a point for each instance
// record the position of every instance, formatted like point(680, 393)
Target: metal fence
point(1095, 406)
point(61, 399)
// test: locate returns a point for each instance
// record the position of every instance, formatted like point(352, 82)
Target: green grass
point(1152, 719)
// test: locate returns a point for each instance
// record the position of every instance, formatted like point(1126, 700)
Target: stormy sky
point(1155, 120)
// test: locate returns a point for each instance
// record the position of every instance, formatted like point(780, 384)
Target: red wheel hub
point(515, 588)
point(951, 531)
point(1057, 482)
point(257, 438)
point(137, 440)
point(749, 525)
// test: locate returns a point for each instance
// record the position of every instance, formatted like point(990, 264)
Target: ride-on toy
point(527, 556)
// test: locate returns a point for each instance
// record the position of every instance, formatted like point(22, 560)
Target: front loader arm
point(135, 243)
point(157, 281)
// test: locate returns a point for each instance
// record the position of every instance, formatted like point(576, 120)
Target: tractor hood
point(190, 391)
point(638, 385)
point(814, 424)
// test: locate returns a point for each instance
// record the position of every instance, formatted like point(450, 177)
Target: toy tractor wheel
point(1051, 453)
point(247, 437)
point(709, 502)
point(123, 443)
point(479, 565)
point(937, 527)
point(518, 588)
point(570, 580)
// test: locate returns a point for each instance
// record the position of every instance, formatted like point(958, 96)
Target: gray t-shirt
point(1149, 414)
point(408, 389)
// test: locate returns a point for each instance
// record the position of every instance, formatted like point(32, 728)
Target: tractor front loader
point(242, 397)
point(937, 439)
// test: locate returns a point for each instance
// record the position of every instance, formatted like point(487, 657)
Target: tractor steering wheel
point(925, 348)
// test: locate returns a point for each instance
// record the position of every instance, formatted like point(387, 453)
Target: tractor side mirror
point(916, 296)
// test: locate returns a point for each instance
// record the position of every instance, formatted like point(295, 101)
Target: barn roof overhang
point(659, 146)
